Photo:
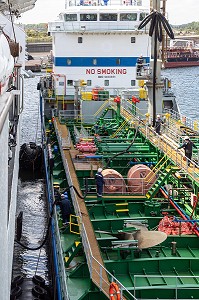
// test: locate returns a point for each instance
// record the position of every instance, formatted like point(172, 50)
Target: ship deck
point(69, 155)
point(163, 270)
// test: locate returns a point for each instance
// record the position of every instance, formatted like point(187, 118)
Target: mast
point(155, 108)
point(164, 39)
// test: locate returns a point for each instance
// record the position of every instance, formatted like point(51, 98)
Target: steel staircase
point(123, 125)
point(72, 252)
point(105, 104)
point(160, 181)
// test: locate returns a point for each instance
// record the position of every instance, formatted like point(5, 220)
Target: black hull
point(177, 62)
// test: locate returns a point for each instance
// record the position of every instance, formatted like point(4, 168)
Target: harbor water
point(185, 85)
point(31, 196)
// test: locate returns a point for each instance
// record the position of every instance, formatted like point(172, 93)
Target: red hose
point(179, 211)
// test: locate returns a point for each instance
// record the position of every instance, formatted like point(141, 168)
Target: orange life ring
point(114, 291)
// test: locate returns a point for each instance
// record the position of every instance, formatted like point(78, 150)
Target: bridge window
point(106, 82)
point(142, 16)
point(88, 17)
point(80, 39)
point(108, 17)
point(70, 82)
point(118, 61)
point(133, 40)
point(132, 82)
point(128, 17)
point(94, 61)
point(89, 82)
point(70, 17)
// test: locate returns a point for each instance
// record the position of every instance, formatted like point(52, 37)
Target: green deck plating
point(127, 226)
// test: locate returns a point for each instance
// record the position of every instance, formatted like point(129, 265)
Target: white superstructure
point(99, 44)
point(12, 59)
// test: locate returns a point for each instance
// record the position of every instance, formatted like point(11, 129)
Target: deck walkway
point(165, 144)
point(82, 212)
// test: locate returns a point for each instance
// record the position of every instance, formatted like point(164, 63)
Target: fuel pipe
point(179, 210)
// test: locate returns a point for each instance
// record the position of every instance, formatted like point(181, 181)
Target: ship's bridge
point(89, 19)
point(70, 3)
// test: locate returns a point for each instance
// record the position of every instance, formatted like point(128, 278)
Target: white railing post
point(101, 272)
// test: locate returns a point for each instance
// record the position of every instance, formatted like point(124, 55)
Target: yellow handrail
point(125, 122)
point(75, 222)
point(60, 97)
point(156, 171)
point(101, 108)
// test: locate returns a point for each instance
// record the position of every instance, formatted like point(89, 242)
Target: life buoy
point(114, 291)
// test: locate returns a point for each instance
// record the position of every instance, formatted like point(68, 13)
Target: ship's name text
point(106, 71)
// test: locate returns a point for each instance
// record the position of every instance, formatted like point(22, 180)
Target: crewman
point(188, 148)
point(158, 123)
point(99, 179)
point(66, 208)
point(140, 62)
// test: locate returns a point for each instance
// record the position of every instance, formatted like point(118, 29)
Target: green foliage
point(190, 28)
point(37, 33)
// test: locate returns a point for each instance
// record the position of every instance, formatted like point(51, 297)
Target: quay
point(41, 56)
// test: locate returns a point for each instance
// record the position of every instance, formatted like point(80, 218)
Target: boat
point(12, 60)
point(139, 240)
point(182, 53)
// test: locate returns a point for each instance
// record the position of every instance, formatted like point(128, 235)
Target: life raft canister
point(114, 291)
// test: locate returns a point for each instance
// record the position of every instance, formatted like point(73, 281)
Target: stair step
point(77, 243)
point(56, 184)
point(122, 210)
point(66, 258)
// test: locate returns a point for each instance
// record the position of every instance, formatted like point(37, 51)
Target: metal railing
point(170, 149)
point(100, 271)
point(175, 286)
point(186, 121)
point(65, 141)
point(97, 26)
point(66, 114)
point(77, 3)
point(124, 185)
point(143, 70)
